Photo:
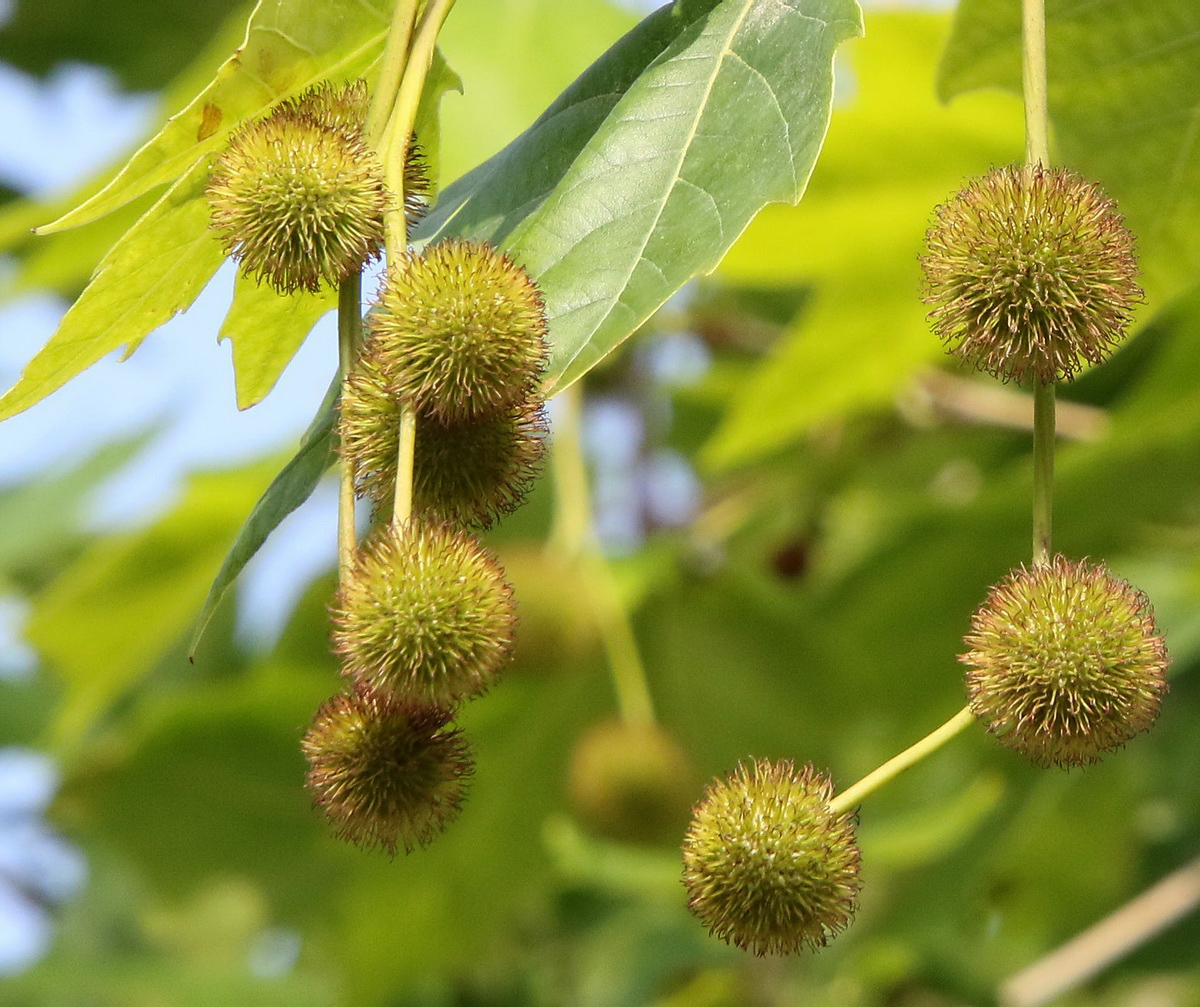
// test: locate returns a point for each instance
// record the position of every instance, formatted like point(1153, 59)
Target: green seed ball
point(468, 473)
point(1030, 273)
point(631, 782)
point(385, 773)
point(297, 204)
point(339, 108)
point(1065, 662)
point(460, 331)
point(767, 865)
point(424, 615)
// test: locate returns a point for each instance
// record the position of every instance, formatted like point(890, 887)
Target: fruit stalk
point(853, 796)
point(1037, 151)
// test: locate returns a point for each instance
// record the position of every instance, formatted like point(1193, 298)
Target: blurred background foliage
point(837, 500)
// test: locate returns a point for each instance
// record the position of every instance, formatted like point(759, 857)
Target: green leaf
point(109, 618)
point(289, 46)
point(643, 173)
point(155, 271)
point(1123, 80)
point(288, 490)
point(266, 329)
point(856, 238)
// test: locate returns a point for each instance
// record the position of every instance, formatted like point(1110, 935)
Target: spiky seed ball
point(343, 109)
point(385, 773)
point(461, 331)
point(631, 782)
point(1066, 662)
point(468, 474)
point(1031, 274)
point(296, 203)
point(424, 615)
point(767, 865)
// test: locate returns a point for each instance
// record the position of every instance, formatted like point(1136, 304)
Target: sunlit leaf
point(1123, 80)
point(856, 237)
point(266, 329)
point(645, 170)
point(155, 271)
point(289, 46)
point(106, 621)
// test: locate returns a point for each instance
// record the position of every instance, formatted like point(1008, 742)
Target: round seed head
point(469, 473)
point(1066, 662)
point(424, 615)
point(631, 782)
point(1030, 273)
point(385, 773)
point(767, 865)
point(472, 473)
point(296, 203)
point(340, 108)
point(460, 330)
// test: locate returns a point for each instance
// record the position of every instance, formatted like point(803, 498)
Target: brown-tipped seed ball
point(296, 203)
point(767, 865)
point(424, 615)
point(460, 331)
point(343, 109)
point(385, 773)
point(469, 473)
point(1031, 274)
point(631, 782)
point(1066, 662)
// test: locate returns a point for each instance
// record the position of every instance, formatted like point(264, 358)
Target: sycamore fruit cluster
point(423, 618)
point(1030, 275)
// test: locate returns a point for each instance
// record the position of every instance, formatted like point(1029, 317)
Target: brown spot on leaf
point(210, 120)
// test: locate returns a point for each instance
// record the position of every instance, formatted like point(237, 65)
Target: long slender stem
point(1033, 68)
point(854, 795)
point(1037, 151)
point(574, 536)
point(395, 58)
point(349, 337)
point(1043, 470)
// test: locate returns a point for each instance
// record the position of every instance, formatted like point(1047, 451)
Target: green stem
point(1033, 69)
point(402, 503)
point(1043, 470)
point(395, 58)
point(399, 130)
point(853, 796)
point(1037, 151)
point(349, 338)
point(574, 536)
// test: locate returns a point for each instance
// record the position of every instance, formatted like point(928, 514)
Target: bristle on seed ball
point(385, 773)
point(1065, 662)
point(460, 331)
point(469, 473)
point(424, 615)
point(1030, 273)
point(767, 865)
point(297, 203)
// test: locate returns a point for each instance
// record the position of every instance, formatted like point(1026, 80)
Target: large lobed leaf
point(637, 178)
point(1124, 76)
point(855, 239)
point(159, 265)
point(644, 172)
